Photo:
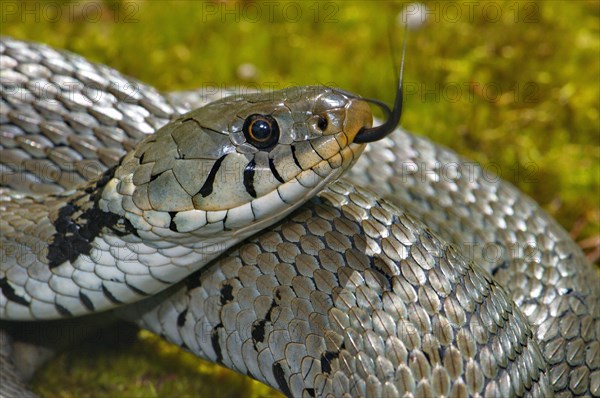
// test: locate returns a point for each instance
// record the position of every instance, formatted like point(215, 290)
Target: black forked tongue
point(371, 134)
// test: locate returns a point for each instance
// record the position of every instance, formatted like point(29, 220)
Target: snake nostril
point(322, 123)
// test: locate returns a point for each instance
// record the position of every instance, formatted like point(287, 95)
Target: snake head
point(240, 163)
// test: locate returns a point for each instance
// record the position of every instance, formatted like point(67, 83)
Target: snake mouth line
point(319, 170)
point(302, 160)
point(247, 218)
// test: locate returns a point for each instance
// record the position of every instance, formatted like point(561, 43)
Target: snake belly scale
point(350, 294)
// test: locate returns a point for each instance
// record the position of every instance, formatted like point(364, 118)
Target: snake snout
point(358, 118)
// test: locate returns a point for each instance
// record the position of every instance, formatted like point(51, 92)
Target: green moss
point(516, 91)
point(142, 370)
point(117, 363)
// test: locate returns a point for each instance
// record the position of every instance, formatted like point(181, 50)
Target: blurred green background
point(513, 85)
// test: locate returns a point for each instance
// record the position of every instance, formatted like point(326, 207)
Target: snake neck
point(91, 257)
point(98, 211)
point(79, 220)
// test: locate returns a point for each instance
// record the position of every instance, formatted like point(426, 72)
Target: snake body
point(350, 294)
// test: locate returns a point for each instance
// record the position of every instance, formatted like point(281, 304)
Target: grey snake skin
point(381, 285)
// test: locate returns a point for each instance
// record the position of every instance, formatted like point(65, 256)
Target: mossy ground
point(512, 85)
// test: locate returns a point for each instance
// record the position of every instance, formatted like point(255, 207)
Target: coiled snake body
point(350, 294)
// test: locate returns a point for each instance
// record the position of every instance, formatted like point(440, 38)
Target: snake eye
point(322, 123)
point(262, 131)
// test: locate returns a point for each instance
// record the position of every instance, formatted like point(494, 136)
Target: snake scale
point(380, 285)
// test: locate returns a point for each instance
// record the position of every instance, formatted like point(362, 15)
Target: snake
point(281, 235)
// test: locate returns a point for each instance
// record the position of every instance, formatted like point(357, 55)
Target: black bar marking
point(249, 178)
point(295, 158)
point(207, 188)
point(110, 296)
point(181, 318)
point(214, 339)
point(225, 227)
point(86, 301)
point(172, 225)
point(275, 172)
point(62, 310)
point(258, 332)
point(326, 360)
point(193, 280)
point(280, 379)
point(77, 227)
point(226, 294)
point(74, 235)
point(9, 292)
point(136, 290)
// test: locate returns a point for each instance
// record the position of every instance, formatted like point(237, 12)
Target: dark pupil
point(261, 130)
